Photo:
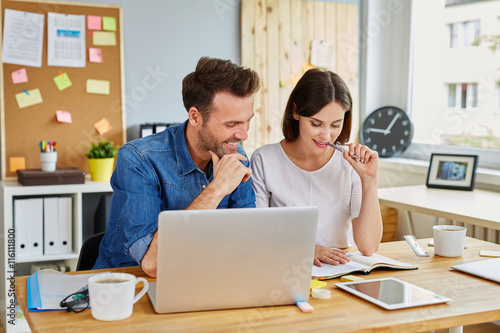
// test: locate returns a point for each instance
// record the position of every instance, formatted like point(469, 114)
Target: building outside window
point(456, 74)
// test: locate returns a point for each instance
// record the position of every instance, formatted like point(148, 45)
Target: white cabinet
point(11, 190)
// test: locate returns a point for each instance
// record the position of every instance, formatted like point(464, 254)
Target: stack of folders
point(43, 226)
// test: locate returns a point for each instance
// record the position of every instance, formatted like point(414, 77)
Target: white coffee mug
point(112, 295)
point(449, 240)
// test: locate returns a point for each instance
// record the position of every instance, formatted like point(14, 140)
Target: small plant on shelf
point(103, 149)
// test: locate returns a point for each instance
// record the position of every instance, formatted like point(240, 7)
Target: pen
point(340, 150)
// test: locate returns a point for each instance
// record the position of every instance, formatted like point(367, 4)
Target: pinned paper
point(17, 163)
point(19, 76)
point(108, 23)
point(95, 55)
point(322, 54)
point(104, 38)
point(62, 81)
point(64, 117)
point(97, 87)
point(29, 98)
point(94, 22)
point(102, 126)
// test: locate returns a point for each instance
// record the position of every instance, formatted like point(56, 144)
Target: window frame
point(488, 158)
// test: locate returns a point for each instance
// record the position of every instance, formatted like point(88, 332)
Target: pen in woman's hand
point(337, 148)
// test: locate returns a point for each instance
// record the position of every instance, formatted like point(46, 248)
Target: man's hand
point(229, 172)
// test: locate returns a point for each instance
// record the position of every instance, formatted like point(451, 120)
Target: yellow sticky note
point(349, 278)
point(101, 87)
point(104, 38)
point(29, 98)
point(108, 23)
point(102, 126)
point(315, 284)
point(17, 163)
point(62, 81)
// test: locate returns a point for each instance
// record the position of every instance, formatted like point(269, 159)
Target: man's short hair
point(212, 76)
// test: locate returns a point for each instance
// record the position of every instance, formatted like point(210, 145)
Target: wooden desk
point(474, 301)
point(474, 207)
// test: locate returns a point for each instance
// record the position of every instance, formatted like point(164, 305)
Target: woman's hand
point(323, 254)
point(367, 164)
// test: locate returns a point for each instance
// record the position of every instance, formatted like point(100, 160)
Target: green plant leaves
point(103, 149)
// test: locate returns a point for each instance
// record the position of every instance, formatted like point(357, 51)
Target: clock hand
point(388, 130)
point(375, 130)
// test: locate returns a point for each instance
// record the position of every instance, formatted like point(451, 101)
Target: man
point(196, 165)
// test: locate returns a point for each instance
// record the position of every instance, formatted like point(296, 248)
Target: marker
point(304, 306)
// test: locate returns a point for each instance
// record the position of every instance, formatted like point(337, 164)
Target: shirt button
point(203, 186)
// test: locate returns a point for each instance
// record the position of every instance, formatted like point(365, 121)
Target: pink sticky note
point(95, 55)
point(19, 76)
point(63, 117)
point(94, 22)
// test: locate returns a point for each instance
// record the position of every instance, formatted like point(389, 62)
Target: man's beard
point(208, 142)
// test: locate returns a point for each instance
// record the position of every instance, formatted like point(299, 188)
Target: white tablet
point(391, 293)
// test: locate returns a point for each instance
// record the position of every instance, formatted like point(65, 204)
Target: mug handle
point(145, 288)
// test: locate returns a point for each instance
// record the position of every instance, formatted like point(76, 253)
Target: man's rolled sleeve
point(140, 247)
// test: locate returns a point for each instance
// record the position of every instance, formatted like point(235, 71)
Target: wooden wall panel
point(276, 40)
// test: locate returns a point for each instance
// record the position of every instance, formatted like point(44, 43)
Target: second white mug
point(449, 240)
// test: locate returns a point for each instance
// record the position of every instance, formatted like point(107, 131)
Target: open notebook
point(358, 264)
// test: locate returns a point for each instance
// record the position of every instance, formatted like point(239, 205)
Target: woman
point(303, 170)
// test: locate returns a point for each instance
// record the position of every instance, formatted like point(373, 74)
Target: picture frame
point(454, 172)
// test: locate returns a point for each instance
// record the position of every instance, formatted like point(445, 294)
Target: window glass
point(456, 73)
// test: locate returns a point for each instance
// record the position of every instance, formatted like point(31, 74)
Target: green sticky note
point(100, 87)
point(108, 23)
point(28, 98)
point(104, 38)
point(62, 81)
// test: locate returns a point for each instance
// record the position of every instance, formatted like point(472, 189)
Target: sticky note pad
point(19, 76)
point(305, 307)
point(108, 23)
point(94, 22)
point(487, 253)
point(30, 98)
point(17, 163)
point(95, 55)
point(102, 126)
point(104, 38)
point(63, 117)
point(349, 278)
point(62, 81)
point(315, 284)
point(98, 87)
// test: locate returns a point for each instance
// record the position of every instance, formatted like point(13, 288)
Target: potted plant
point(101, 160)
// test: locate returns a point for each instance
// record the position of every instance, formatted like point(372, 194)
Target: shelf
point(48, 257)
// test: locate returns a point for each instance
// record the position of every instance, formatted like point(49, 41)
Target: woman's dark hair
point(212, 76)
point(316, 89)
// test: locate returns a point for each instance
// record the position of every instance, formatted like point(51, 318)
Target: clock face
point(387, 130)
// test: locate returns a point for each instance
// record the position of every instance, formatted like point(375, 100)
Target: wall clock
point(387, 130)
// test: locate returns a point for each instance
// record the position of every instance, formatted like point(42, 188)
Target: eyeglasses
point(76, 302)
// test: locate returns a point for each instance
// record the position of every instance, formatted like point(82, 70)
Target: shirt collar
point(185, 162)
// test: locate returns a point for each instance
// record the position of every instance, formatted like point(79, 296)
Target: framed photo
point(456, 172)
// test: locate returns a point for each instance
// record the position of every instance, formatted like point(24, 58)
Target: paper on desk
point(331, 270)
point(47, 288)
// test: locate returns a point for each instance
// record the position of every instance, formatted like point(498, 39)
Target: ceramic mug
point(449, 240)
point(112, 295)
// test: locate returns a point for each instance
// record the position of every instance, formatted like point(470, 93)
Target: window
point(462, 95)
point(455, 77)
point(464, 33)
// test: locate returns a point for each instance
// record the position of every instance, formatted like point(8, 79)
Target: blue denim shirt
point(154, 174)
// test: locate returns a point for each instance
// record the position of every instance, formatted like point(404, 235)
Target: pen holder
point(48, 161)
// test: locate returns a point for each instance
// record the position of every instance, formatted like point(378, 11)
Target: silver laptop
point(233, 258)
point(487, 269)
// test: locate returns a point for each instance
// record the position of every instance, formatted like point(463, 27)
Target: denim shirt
point(154, 174)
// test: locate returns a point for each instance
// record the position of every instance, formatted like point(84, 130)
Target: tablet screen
point(391, 293)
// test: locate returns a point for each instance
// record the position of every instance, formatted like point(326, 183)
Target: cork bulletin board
point(23, 127)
